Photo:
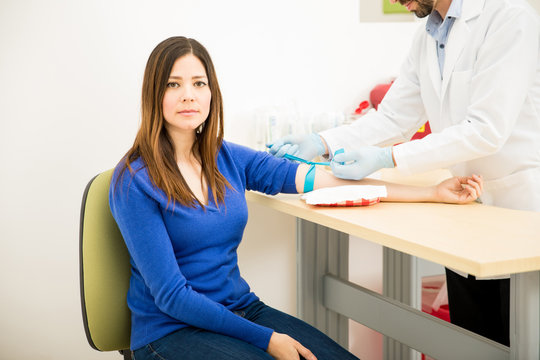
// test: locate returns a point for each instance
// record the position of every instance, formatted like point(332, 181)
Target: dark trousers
point(481, 306)
point(196, 344)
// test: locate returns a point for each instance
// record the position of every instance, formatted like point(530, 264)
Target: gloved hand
point(356, 165)
point(306, 147)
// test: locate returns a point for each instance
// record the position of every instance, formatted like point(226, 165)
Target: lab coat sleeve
point(504, 71)
point(399, 115)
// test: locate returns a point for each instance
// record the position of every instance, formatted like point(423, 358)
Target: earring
point(199, 129)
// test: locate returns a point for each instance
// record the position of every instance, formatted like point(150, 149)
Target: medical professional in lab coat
point(473, 71)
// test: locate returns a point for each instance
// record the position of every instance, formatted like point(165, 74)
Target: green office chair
point(104, 271)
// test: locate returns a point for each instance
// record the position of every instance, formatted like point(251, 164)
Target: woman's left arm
point(455, 190)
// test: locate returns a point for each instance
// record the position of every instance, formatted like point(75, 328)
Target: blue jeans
point(195, 344)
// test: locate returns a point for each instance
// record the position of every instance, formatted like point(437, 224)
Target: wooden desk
point(477, 239)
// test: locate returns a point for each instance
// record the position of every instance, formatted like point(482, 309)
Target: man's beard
point(423, 8)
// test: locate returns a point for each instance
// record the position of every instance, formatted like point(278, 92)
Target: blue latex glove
point(356, 165)
point(303, 146)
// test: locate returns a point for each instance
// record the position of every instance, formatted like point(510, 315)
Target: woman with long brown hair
point(178, 198)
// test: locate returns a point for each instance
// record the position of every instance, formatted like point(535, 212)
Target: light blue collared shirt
point(439, 29)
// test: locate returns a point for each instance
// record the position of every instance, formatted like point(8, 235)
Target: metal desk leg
point(397, 284)
point(525, 316)
point(321, 251)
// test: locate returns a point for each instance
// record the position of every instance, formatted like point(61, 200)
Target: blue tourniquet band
point(292, 157)
point(310, 176)
point(310, 179)
point(339, 151)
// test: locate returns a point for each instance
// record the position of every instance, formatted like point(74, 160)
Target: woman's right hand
point(284, 347)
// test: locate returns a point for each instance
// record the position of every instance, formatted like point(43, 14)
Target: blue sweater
point(184, 266)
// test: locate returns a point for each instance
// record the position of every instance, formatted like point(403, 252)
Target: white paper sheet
point(344, 193)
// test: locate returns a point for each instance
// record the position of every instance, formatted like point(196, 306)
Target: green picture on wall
point(396, 8)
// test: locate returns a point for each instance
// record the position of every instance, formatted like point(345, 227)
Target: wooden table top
point(477, 239)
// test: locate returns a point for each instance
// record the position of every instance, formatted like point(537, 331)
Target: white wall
point(70, 73)
point(535, 4)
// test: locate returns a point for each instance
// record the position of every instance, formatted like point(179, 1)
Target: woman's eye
point(173, 85)
point(200, 84)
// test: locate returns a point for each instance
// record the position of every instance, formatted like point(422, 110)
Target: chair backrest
point(104, 270)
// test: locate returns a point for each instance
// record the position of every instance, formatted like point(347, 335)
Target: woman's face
point(186, 103)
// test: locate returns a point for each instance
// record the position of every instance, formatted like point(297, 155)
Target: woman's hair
point(153, 143)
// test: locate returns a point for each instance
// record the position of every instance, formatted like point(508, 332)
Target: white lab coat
point(484, 113)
